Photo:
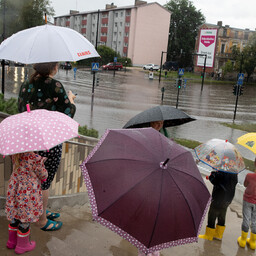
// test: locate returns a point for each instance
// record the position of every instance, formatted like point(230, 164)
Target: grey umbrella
point(170, 115)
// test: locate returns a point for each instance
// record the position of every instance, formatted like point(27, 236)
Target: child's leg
point(245, 224)
point(253, 219)
point(222, 216)
point(12, 228)
point(212, 216)
point(247, 213)
point(23, 242)
point(252, 240)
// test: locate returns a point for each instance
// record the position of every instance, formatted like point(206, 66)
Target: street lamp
point(205, 58)
point(161, 66)
point(3, 37)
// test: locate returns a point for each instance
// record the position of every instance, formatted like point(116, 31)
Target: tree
point(19, 15)
point(227, 68)
point(185, 20)
point(246, 59)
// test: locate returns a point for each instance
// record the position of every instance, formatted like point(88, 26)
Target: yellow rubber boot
point(242, 239)
point(219, 232)
point(209, 232)
point(252, 241)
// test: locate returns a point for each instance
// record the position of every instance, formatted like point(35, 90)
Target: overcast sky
point(235, 13)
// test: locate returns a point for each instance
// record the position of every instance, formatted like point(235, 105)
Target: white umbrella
point(47, 43)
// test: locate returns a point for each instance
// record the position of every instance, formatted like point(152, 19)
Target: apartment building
point(227, 37)
point(139, 32)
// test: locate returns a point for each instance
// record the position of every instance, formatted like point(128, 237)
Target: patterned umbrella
point(35, 130)
point(248, 140)
point(146, 188)
point(220, 155)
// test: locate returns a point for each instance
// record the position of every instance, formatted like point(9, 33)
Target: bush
point(83, 130)
point(9, 106)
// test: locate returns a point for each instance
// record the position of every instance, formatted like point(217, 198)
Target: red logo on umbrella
point(80, 54)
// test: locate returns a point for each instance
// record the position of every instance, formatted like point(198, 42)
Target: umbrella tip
point(28, 108)
point(163, 164)
point(166, 161)
point(226, 140)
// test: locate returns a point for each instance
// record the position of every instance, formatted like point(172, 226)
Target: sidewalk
point(80, 236)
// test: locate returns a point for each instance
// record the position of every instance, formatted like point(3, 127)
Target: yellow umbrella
point(248, 140)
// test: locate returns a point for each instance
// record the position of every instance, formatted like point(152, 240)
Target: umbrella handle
point(28, 108)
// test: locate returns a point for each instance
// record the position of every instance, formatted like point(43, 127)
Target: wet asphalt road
point(118, 98)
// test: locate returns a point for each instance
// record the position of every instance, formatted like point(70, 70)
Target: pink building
point(139, 32)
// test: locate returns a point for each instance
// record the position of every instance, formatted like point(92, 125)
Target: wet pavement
point(81, 236)
point(115, 101)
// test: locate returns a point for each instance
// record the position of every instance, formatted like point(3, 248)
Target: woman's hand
point(71, 97)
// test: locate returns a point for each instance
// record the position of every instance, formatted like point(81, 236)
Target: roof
point(114, 9)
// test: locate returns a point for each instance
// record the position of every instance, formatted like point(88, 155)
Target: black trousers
point(218, 213)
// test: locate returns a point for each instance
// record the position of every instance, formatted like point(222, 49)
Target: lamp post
point(96, 45)
point(205, 58)
point(238, 91)
point(3, 38)
point(161, 66)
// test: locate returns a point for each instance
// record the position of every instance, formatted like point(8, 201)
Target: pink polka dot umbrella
point(35, 130)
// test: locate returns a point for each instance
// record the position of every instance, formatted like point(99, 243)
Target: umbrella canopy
point(35, 130)
point(46, 43)
point(146, 188)
point(170, 115)
point(249, 141)
point(220, 155)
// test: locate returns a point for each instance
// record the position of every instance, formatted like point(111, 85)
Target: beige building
point(227, 37)
point(139, 32)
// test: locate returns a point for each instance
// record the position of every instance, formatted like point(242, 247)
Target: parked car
point(18, 64)
point(65, 65)
point(151, 67)
point(113, 66)
point(171, 65)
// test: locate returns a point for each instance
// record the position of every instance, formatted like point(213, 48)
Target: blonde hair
point(16, 161)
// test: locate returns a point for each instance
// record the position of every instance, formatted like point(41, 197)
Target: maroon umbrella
point(146, 188)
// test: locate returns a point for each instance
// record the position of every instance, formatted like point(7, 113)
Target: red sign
point(207, 40)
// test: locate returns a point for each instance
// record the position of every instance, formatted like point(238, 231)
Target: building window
point(121, 14)
point(126, 44)
point(224, 32)
point(115, 24)
point(126, 34)
point(222, 48)
point(128, 13)
point(236, 34)
point(246, 36)
point(116, 14)
point(127, 24)
point(121, 24)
